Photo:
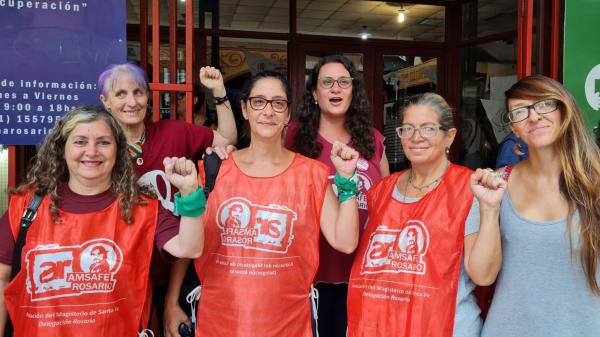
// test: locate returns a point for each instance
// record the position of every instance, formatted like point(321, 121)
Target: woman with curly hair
point(335, 108)
point(549, 220)
point(90, 203)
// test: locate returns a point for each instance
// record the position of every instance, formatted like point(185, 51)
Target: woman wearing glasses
point(424, 248)
point(335, 108)
point(549, 220)
point(261, 231)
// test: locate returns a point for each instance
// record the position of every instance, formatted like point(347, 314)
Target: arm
point(339, 221)
point(384, 166)
point(226, 132)
point(174, 315)
point(4, 280)
point(189, 243)
point(483, 251)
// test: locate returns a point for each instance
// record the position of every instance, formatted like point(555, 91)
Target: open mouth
point(335, 100)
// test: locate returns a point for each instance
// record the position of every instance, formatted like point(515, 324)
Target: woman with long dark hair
point(335, 108)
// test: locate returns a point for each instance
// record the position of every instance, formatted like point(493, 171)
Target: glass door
point(401, 75)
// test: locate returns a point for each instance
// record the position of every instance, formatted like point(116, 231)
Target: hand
point(221, 151)
point(344, 158)
point(182, 174)
point(212, 79)
point(488, 187)
point(174, 316)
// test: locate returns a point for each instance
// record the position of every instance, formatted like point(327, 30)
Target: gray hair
point(435, 102)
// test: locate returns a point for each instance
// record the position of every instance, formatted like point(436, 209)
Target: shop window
point(486, 17)
point(488, 70)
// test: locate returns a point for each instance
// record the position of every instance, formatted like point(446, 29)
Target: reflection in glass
point(404, 76)
point(488, 70)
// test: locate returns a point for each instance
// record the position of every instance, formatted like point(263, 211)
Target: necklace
point(135, 149)
point(422, 187)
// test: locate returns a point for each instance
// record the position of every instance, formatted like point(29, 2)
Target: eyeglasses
point(542, 107)
point(328, 82)
point(259, 103)
point(427, 131)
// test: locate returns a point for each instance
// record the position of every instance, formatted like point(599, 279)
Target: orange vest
point(87, 275)
point(404, 278)
point(261, 251)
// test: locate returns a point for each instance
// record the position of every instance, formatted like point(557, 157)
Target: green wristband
point(347, 188)
point(193, 205)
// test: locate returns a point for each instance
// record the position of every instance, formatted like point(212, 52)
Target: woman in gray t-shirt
point(549, 220)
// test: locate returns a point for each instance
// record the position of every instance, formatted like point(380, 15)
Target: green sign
point(581, 68)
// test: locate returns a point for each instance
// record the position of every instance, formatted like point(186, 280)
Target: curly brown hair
point(358, 119)
point(49, 169)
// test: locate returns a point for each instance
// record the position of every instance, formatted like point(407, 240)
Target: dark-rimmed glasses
point(259, 103)
point(427, 131)
point(541, 108)
point(343, 82)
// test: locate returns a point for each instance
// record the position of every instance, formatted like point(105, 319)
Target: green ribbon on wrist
point(193, 205)
point(347, 188)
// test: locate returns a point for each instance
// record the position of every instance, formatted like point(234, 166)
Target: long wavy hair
point(358, 121)
point(49, 170)
point(580, 162)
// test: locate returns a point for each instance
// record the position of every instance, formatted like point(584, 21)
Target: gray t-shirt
point(541, 290)
point(467, 322)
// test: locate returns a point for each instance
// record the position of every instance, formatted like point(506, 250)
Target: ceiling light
point(401, 16)
point(364, 35)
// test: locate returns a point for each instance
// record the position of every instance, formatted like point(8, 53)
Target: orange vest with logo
point(87, 275)
point(261, 251)
point(404, 278)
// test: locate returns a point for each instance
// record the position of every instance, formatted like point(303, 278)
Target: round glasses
point(427, 131)
point(259, 103)
point(328, 82)
point(541, 108)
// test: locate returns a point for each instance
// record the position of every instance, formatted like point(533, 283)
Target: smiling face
point(90, 154)
point(418, 149)
point(335, 100)
point(537, 131)
point(266, 122)
point(127, 100)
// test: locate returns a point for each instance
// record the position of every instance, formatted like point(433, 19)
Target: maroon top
point(334, 266)
point(168, 138)
point(166, 228)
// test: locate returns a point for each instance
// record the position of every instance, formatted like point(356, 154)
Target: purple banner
point(51, 54)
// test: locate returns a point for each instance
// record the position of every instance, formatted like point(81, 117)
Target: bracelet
point(346, 187)
point(220, 100)
point(193, 205)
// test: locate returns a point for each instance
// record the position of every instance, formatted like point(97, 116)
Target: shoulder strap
point(212, 163)
point(26, 220)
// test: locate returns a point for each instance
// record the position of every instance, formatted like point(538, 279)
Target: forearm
point(346, 226)
point(190, 240)
point(226, 128)
point(176, 276)
point(485, 257)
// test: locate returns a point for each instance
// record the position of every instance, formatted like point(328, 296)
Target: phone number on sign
point(5, 119)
